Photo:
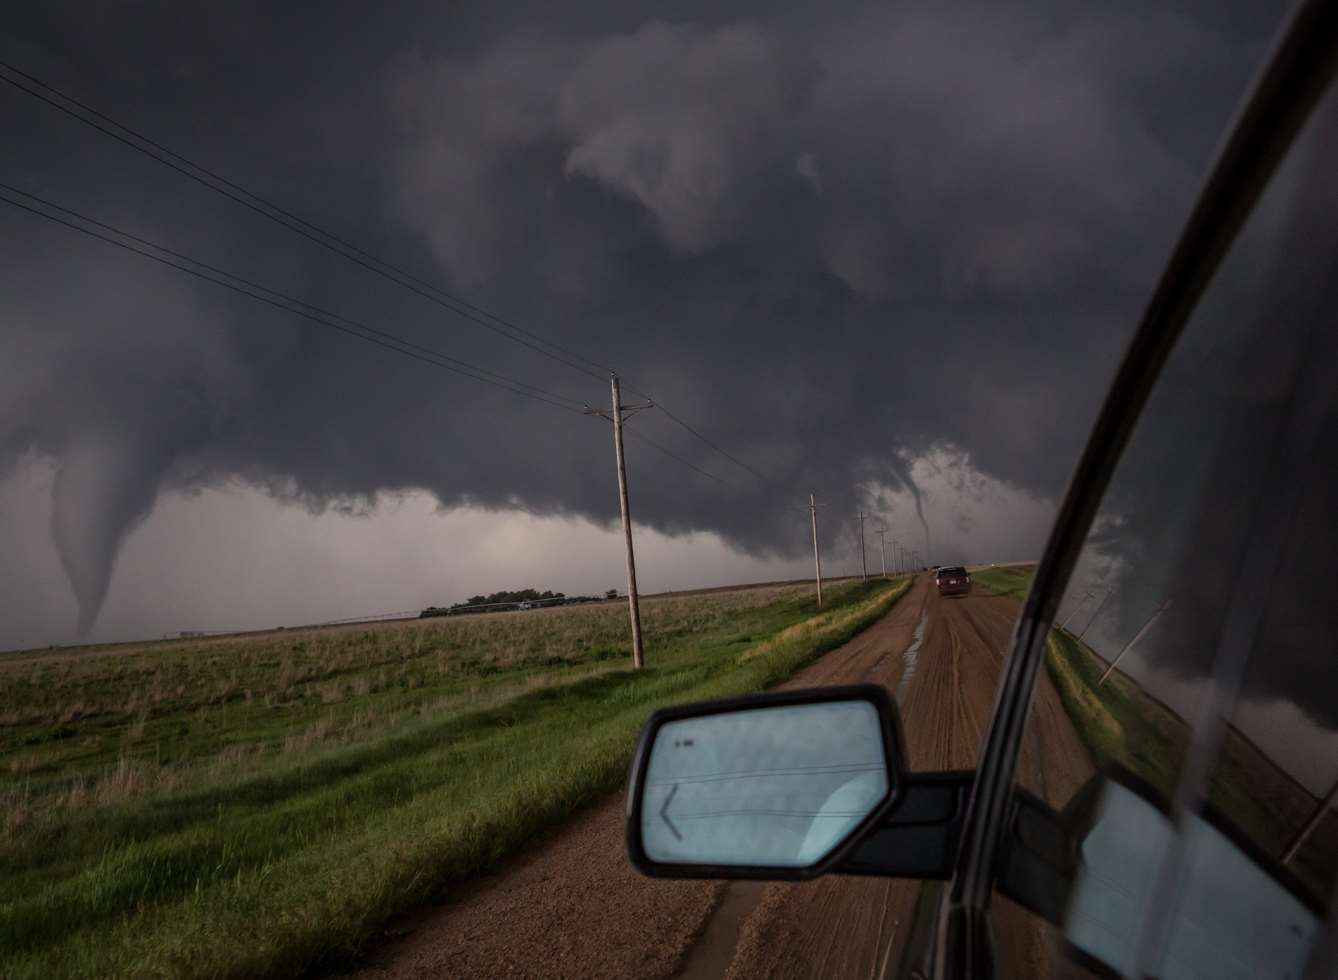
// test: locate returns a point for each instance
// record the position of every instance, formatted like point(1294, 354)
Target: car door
point(1196, 664)
point(1153, 793)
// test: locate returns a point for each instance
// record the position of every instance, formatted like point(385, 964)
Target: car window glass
point(1195, 646)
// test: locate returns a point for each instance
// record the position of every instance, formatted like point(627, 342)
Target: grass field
point(254, 806)
point(1121, 723)
point(1009, 580)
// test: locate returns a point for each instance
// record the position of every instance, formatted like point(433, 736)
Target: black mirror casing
point(893, 745)
point(920, 837)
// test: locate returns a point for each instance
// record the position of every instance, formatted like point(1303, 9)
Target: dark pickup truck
point(952, 580)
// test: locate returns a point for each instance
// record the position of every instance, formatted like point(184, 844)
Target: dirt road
point(573, 907)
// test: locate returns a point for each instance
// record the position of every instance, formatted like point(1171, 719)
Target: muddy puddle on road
point(710, 957)
point(910, 658)
point(713, 952)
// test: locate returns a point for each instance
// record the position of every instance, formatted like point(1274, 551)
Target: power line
point(305, 310)
point(501, 378)
point(674, 418)
point(318, 315)
point(332, 242)
point(326, 239)
point(655, 445)
point(733, 459)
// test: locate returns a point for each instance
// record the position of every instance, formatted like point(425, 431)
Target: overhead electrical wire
point(733, 459)
point(290, 304)
point(692, 466)
point(308, 311)
point(465, 365)
point(314, 233)
point(332, 242)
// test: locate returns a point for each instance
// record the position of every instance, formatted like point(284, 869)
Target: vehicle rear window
point(952, 572)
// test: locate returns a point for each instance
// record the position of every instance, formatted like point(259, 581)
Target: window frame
point(1293, 79)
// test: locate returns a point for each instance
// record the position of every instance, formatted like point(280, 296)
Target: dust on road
point(574, 907)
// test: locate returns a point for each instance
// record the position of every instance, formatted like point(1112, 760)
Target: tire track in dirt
point(574, 907)
point(874, 657)
point(821, 929)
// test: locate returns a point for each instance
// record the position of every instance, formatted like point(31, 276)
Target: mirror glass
point(781, 786)
point(1233, 918)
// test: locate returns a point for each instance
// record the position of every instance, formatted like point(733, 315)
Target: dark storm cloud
point(832, 240)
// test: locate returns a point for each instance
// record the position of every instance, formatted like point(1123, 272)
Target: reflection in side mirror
point(1234, 918)
point(774, 785)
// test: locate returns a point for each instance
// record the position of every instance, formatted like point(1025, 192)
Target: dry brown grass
point(144, 718)
point(317, 734)
point(21, 763)
point(16, 807)
point(230, 805)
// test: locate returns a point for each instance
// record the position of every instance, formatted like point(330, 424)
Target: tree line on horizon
point(520, 598)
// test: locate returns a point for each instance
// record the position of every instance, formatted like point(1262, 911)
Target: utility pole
point(1304, 833)
point(882, 547)
point(1099, 606)
point(617, 417)
point(863, 563)
point(817, 556)
point(1156, 614)
point(1081, 603)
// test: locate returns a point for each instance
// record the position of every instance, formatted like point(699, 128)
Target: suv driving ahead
point(952, 580)
point(1153, 794)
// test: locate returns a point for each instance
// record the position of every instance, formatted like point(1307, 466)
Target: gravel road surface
point(573, 907)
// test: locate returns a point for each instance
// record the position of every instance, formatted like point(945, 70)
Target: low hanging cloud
point(1011, 179)
point(837, 246)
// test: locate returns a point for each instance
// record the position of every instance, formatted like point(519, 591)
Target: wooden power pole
point(1099, 606)
point(1081, 602)
point(1156, 613)
point(863, 562)
point(882, 547)
point(619, 415)
point(1304, 833)
point(817, 555)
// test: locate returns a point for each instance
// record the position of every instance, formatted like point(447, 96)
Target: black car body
point(952, 580)
point(1204, 844)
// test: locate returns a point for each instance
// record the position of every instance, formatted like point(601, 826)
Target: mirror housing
point(775, 786)
point(920, 837)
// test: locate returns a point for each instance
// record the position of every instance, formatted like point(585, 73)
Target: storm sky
point(881, 253)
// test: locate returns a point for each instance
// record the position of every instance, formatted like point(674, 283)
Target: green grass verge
point(1120, 723)
point(300, 856)
point(1116, 722)
point(1012, 580)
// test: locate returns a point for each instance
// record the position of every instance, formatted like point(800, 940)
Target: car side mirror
point(780, 786)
